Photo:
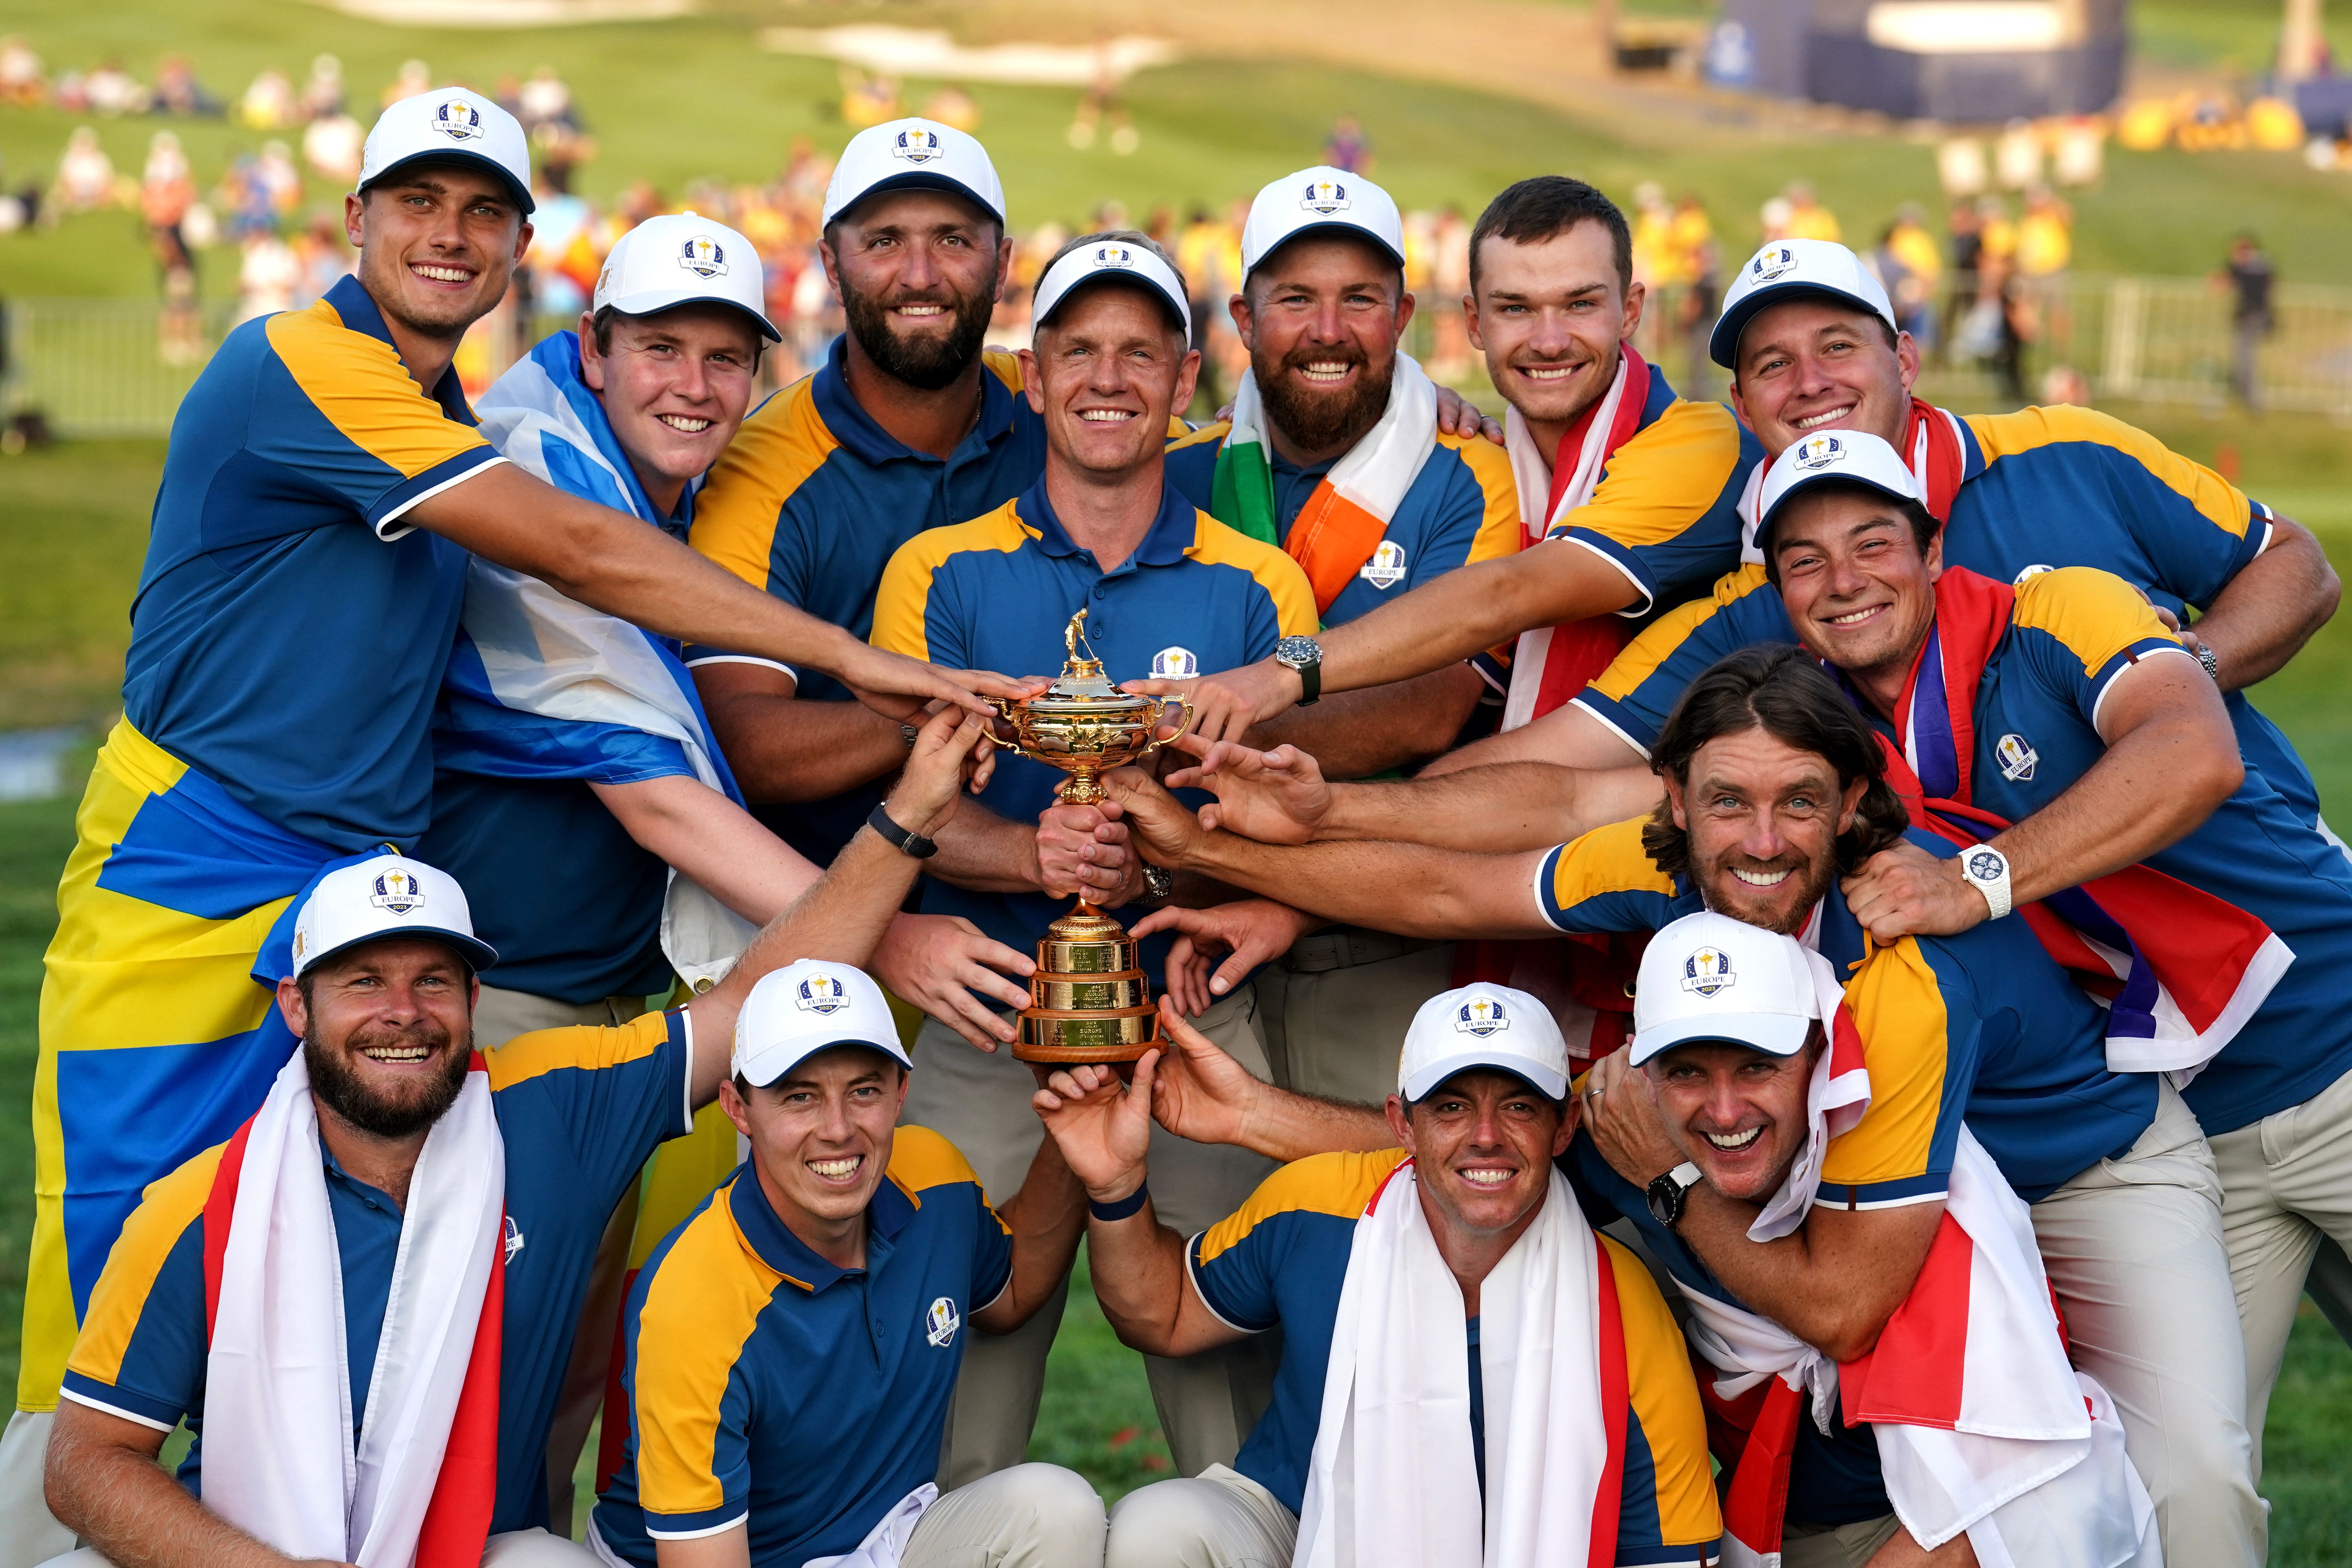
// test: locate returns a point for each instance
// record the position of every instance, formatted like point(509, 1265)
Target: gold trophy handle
point(1185, 715)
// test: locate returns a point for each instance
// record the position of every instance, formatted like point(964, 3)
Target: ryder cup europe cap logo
point(457, 120)
point(1480, 1016)
point(1326, 197)
point(1113, 256)
point(704, 256)
point(917, 144)
point(1174, 664)
point(821, 994)
point(398, 891)
point(1707, 971)
point(1819, 451)
point(1770, 262)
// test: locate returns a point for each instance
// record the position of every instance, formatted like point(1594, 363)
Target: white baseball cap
point(449, 124)
point(806, 1007)
point(1482, 1026)
point(390, 895)
point(1098, 259)
point(1318, 199)
point(1844, 457)
point(1786, 269)
point(684, 258)
point(1710, 977)
point(913, 154)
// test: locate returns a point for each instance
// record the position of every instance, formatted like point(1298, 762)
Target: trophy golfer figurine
point(1089, 1001)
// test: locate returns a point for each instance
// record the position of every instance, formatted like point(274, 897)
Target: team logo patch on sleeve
point(704, 256)
point(397, 891)
point(2018, 758)
point(916, 144)
point(1386, 569)
point(1480, 1016)
point(1820, 451)
point(821, 994)
point(1709, 971)
point(1174, 664)
point(1770, 262)
point(457, 120)
point(940, 1323)
point(513, 1239)
point(1326, 197)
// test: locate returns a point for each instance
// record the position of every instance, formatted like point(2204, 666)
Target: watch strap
point(897, 838)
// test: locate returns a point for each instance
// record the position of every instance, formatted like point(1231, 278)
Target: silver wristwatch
point(1158, 884)
point(2211, 660)
point(1302, 656)
point(1986, 870)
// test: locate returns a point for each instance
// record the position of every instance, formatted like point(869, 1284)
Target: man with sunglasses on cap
point(349, 1299)
point(303, 577)
point(1469, 1373)
point(793, 1346)
point(1158, 579)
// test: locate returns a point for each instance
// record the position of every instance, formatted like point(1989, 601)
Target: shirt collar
point(857, 429)
point(772, 1242)
point(356, 309)
point(1173, 534)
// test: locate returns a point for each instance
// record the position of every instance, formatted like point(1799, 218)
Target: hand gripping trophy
point(1089, 1001)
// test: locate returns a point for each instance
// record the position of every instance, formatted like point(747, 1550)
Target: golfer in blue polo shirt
point(792, 1347)
point(1166, 587)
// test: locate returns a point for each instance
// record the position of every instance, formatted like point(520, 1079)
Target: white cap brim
point(1546, 1080)
point(653, 301)
point(1088, 263)
point(765, 1066)
point(1774, 1033)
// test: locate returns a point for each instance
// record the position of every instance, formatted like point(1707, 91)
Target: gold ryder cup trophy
point(1089, 1001)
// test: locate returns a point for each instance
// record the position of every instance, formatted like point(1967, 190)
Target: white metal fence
point(120, 367)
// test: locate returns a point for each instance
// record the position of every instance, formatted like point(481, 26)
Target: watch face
point(1987, 865)
point(1665, 1196)
point(1298, 650)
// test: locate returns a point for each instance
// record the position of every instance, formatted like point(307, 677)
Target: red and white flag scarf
point(418, 1489)
point(2181, 971)
point(1940, 463)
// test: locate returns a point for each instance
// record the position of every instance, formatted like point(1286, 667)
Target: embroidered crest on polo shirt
point(513, 1239)
point(1480, 1016)
point(1709, 971)
point(2017, 758)
point(457, 120)
point(821, 994)
point(704, 256)
point(398, 891)
point(1770, 262)
point(1386, 569)
point(917, 146)
point(1174, 664)
point(1326, 197)
point(940, 1323)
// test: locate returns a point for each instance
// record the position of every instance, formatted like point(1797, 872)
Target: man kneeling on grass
point(1452, 1329)
point(792, 1347)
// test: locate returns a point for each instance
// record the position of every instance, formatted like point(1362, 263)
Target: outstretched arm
point(2270, 609)
point(784, 748)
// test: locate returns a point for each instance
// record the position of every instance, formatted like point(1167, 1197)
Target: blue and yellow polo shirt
point(2043, 488)
point(1281, 1261)
point(996, 593)
point(290, 633)
point(767, 1386)
point(1983, 1027)
point(580, 1109)
point(812, 497)
point(1461, 507)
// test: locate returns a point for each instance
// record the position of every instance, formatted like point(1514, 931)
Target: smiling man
point(838, 1269)
point(303, 578)
point(1470, 1375)
point(1158, 579)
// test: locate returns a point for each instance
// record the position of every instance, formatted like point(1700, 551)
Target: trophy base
point(1089, 1000)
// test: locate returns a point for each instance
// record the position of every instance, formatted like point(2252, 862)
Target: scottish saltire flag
point(539, 686)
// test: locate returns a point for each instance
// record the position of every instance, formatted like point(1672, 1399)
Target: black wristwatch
point(1304, 657)
point(1670, 1193)
point(1159, 885)
point(898, 839)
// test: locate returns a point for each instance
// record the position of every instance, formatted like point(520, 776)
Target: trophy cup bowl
point(1089, 1000)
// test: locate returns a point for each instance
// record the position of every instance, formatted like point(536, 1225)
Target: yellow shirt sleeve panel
point(1206, 435)
point(1277, 573)
point(1339, 1184)
point(359, 384)
point(1898, 1009)
point(2005, 434)
point(2094, 613)
point(706, 1298)
point(170, 1204)
point(527, 1056)
point(1665, 1399)
point(1607, 860)
point(1661, 637)
point(921, 1158)
point(1499, 530)
point(901, 602)
point(773, 455)
point(1005, 367)
point(1665, 479)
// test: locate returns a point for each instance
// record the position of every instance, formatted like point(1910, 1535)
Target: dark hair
point(1141, 240)
point(1536, 209)
point(1779, 690)
point(1924, 526)
point(600, 327)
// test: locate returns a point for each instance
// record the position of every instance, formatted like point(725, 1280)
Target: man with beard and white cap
point(350, 1297)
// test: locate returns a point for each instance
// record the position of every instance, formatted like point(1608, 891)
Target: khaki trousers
point(979, 1101)
point(498, 1017)
point(1218, 1519)
point(1836, 1545)
point(32, 1536)
point(1335, 1026)
point(2287, 1184)
point(515, 1549)
point(1031, 1516)
point(2135, 1253)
